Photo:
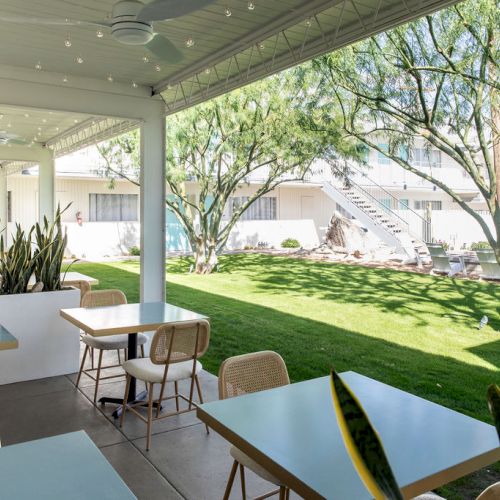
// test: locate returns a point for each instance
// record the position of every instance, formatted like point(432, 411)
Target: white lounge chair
point(489, 264)
point(441, 262)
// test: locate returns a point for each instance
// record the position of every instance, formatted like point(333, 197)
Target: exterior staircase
point(388, 225)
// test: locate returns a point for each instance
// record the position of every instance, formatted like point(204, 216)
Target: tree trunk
point(205, 257)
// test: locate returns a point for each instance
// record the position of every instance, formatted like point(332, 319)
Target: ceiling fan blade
point(164, 49)
point(161, 10)
point(47, 21)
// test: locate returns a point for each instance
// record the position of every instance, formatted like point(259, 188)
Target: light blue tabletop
point(292, 431)
point(65, 467)
point(7, 340)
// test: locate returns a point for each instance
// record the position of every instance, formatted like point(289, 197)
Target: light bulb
point(26, 115)
point(251, 6)
point(308, 22)
point(99, 33)
point(65, 79)
point(110, 78)
point(38, 66)
point(134, 84)
point(145, 59)
point(9, 125)
point(157, 67)
point(75, 120)
point(261, 46)
point(228, 12)
point(44, 120)
point(67, 42)
point(79, 60)
point(207, 71)
point(189, 42)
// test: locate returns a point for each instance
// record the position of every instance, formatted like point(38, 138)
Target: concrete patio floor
point(183, 462)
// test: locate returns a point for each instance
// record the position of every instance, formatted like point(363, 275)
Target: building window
point(423, 204)
point(381, 157)
point(426, 158)
point(403, 204)
point(113, 207)
point(263, 208)
point(9, 206)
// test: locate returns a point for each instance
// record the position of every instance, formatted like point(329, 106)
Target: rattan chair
point(245, 374)
point(174, 354)
point(101, 298)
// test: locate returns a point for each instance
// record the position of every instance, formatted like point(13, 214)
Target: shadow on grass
point(399, 292)
point(311, 347)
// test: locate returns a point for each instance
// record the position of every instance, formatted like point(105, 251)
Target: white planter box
point(48, 344)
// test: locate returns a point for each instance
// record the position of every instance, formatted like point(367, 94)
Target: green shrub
point(480, 245)
point(290, 243)
point(136, 251)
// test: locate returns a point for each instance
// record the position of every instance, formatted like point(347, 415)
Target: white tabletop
point(69, 279)
point(128, 318)
point(69, 466)
point(292, 431)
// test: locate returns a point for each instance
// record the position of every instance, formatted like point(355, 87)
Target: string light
point(110, 78)
point(251, 6)
point(44, 120)
point(79, 60)
point(157, 67)
point(67, 42)
point(145, 59)
point(308, 22)
point(134, 85)
point(189, 42)
point(26, 115)
point(207, 71)
point(261, 46)
point(38, 66)
point(228, 12)
point(99, 33)
point(65, 79)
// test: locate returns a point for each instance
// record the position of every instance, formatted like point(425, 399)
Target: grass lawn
point(416, 332)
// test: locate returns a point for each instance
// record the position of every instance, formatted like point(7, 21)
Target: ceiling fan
point(131, 23)
point(7, 138)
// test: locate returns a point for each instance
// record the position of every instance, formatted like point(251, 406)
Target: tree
point(435, 78)
point(256, 133)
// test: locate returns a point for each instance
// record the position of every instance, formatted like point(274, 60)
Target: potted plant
point(48, 345)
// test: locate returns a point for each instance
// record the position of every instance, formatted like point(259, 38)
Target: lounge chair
point(489, 264)
point(441, 262)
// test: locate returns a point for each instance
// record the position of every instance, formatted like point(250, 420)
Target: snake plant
point(17, 263)
point(39, 252)
point(50, 242)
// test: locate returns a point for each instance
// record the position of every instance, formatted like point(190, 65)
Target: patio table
point(292, 432)
point(70, 279)
point(127, 318)
point(64, 466)
point(7, 340)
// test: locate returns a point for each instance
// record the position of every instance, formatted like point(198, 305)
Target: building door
point(307, 207)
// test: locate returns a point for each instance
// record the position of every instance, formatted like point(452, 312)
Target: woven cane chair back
point(102, 298)
point(252, 372)
point(178, 342)
point(84, 287)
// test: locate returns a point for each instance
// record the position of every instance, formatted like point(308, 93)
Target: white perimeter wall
point(303, 213)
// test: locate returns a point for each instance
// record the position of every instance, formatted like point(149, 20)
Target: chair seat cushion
point(110, 342)
point(247, 462)
point(144, 369)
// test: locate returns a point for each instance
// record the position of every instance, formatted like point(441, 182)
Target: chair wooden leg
point(287, 495)
point(82, 364)
point(92, 356)
point(150, 415)
point(142, 350)
point(125, 400)
point(283, 493)
point(176, 389)
point(200, 396)
point(119, 358)
point(230, 480)
point(242, 480)
point(99, 363)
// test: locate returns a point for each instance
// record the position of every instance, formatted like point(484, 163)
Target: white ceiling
point(228, 52)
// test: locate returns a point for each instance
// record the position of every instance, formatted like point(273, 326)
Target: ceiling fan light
point(133, 33)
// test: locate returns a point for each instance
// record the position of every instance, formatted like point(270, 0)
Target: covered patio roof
point(66, 81)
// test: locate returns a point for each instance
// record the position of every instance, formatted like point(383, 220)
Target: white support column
point(46, 186)
point(4, 209)
point(153, 207)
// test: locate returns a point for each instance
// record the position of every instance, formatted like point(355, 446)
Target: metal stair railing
point(375, 193)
